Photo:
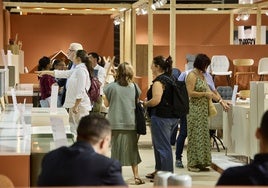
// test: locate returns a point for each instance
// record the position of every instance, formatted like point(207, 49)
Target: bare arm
point(105, 101)
point(75, 108)
point(225, 105)
point(190, 84)
point(157, 91)
point(41, 73)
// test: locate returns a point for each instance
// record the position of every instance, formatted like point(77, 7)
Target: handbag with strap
point(140, 119)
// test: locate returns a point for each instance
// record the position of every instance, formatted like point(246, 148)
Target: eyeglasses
point(70, 50)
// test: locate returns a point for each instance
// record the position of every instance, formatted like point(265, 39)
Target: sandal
point(139, 181)
point(193, 169)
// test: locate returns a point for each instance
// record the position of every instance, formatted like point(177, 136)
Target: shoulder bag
point(140, 119)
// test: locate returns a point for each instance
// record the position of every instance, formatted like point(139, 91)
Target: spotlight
point(158, 4)
point(118, 20)
point(142, 9)
point(245, 16)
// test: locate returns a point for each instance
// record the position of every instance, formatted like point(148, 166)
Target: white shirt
point(77, 85)
point(101, 76)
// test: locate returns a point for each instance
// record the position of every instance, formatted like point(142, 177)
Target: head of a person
point(44, 64)
point(58, 64)
point(94, 58)
point(81, 56)
point(124, 74)
point(72, 50)
point(201, 62)
point(262, 133)
point(95, 130)
point(161, 64)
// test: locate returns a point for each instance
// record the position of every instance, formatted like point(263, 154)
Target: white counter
point(236, 127)
point(17, 144)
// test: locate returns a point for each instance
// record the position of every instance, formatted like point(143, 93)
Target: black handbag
point(140, 118)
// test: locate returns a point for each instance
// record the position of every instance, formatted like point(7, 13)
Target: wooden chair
point(244, 94)
point(240, 64)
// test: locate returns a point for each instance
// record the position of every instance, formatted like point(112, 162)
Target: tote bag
point(140, 119)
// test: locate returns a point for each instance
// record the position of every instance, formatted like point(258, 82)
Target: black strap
point(136, 93)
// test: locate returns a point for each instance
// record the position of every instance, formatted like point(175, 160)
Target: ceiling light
point(245, 16)
point(158, 4)
point(237, 18)
point(122, 9)
point(142, 9)
point(245, 2)
point(118, 20)
point(211, 9)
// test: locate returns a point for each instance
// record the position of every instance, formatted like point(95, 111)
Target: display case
point(40, 145)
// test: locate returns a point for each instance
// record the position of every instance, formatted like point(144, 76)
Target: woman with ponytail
point(77, 100)
point(159, 102)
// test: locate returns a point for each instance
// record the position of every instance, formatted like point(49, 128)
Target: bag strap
point(136, 92)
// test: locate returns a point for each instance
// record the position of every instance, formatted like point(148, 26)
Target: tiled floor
point(199, 179)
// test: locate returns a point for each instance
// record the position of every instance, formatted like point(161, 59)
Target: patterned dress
point(199, 148)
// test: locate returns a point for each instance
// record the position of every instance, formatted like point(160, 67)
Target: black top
point(255, 173)
point(163, 109)
point(79, 165)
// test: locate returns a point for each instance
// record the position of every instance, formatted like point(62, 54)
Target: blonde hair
point(124, 74)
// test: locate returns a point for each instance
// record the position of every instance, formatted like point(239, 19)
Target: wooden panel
point(141, 60)
point(17, 168)
point(143, 84)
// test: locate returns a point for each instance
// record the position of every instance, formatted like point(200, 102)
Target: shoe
point(179, 164)
point(139, 181)
point(193, 169)
point(151, 175)
point(204, 169)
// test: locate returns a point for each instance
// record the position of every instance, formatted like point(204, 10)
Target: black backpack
point(180, 96)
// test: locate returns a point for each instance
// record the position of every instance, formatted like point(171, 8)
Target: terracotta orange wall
point(46, 34)
point(192, 30)
point(207, 34)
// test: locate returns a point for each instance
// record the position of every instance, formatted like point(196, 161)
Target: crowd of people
point(94, 131)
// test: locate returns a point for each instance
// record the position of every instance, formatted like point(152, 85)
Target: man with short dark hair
point(83, 163)
point(255, 173)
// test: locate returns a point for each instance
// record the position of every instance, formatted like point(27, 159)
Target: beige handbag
point(212, 111)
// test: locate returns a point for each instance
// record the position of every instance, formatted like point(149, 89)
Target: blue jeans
point(181, 137)
point(161, 131)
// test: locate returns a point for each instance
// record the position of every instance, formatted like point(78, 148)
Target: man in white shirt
point(71, 53)
point(100, 73)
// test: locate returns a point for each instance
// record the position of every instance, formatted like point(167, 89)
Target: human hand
point(225, 105)
point(75, 109)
